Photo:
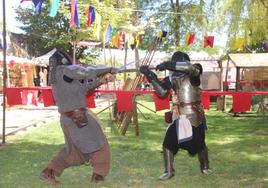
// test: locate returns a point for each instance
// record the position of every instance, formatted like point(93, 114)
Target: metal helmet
point(180, 56)
point(58, 58)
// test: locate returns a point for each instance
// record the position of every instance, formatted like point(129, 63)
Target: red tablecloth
point(18, 96)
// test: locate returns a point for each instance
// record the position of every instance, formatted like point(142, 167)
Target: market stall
point(23, 72)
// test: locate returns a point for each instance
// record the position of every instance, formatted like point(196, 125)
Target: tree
point(246, 19)
point(178, 18)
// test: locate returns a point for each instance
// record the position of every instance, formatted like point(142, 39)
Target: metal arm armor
point(161, 88)
point(187, 68)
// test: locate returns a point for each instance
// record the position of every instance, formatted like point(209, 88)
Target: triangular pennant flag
point(108, 34)
point(55, 5)
point(239, 43)
point(115, 39)
point(121, 40)
point(115, 29)
point(38, 5)
point(74, 14)
point(208, 41)
point(138, 39)
point(189, 39)
point(90, 16)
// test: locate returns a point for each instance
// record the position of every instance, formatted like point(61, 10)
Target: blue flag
point(55, 5)
point(38, 5)
point(108, 35)
point(91, 15)
point(76, 17)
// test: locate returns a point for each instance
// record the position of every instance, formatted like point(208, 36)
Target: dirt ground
point(19, 118)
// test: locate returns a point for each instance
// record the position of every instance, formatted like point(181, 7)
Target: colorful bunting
point(189, 39)
point(90, 16)
point(74, 21)
point(208, 41)
point(108, 34)
point(55, 5)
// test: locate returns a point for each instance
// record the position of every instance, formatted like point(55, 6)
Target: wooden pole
point(4, 73)
point(225, 88)
point(237, 87)
point(74, 46)
point(74, 49)
point(135, 119)
point(136, 85)
point(125, 61)
point(107, 86)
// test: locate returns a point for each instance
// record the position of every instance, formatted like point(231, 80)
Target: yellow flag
point(159, 34)
point(239, 43)
point(97, 26)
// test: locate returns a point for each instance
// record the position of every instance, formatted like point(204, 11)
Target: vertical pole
point(135, 119)
point(74, 49)
point(4, 73)
point(237, 85)
point(74, 46)
point(109, 100)
point(125, 61)
point(225, 87)
point(137, 58)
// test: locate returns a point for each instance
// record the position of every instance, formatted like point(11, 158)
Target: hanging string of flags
point(112, 35)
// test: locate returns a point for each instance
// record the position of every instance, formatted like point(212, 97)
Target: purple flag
point(38, 5)
point(74, 13)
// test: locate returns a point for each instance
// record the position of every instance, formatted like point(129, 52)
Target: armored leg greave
point(204, 163)
point(168, 162)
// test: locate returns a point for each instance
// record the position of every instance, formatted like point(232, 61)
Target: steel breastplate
point(189, 96)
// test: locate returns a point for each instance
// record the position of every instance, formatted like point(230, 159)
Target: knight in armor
point(187, 130)
point(84, 139)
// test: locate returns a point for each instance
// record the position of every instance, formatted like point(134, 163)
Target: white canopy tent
point(44, 59)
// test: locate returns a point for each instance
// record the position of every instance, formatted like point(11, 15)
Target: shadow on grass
point(237, 150)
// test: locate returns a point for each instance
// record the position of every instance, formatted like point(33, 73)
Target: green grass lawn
point(238, 152)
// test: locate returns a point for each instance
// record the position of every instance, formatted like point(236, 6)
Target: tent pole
point(4, 73)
